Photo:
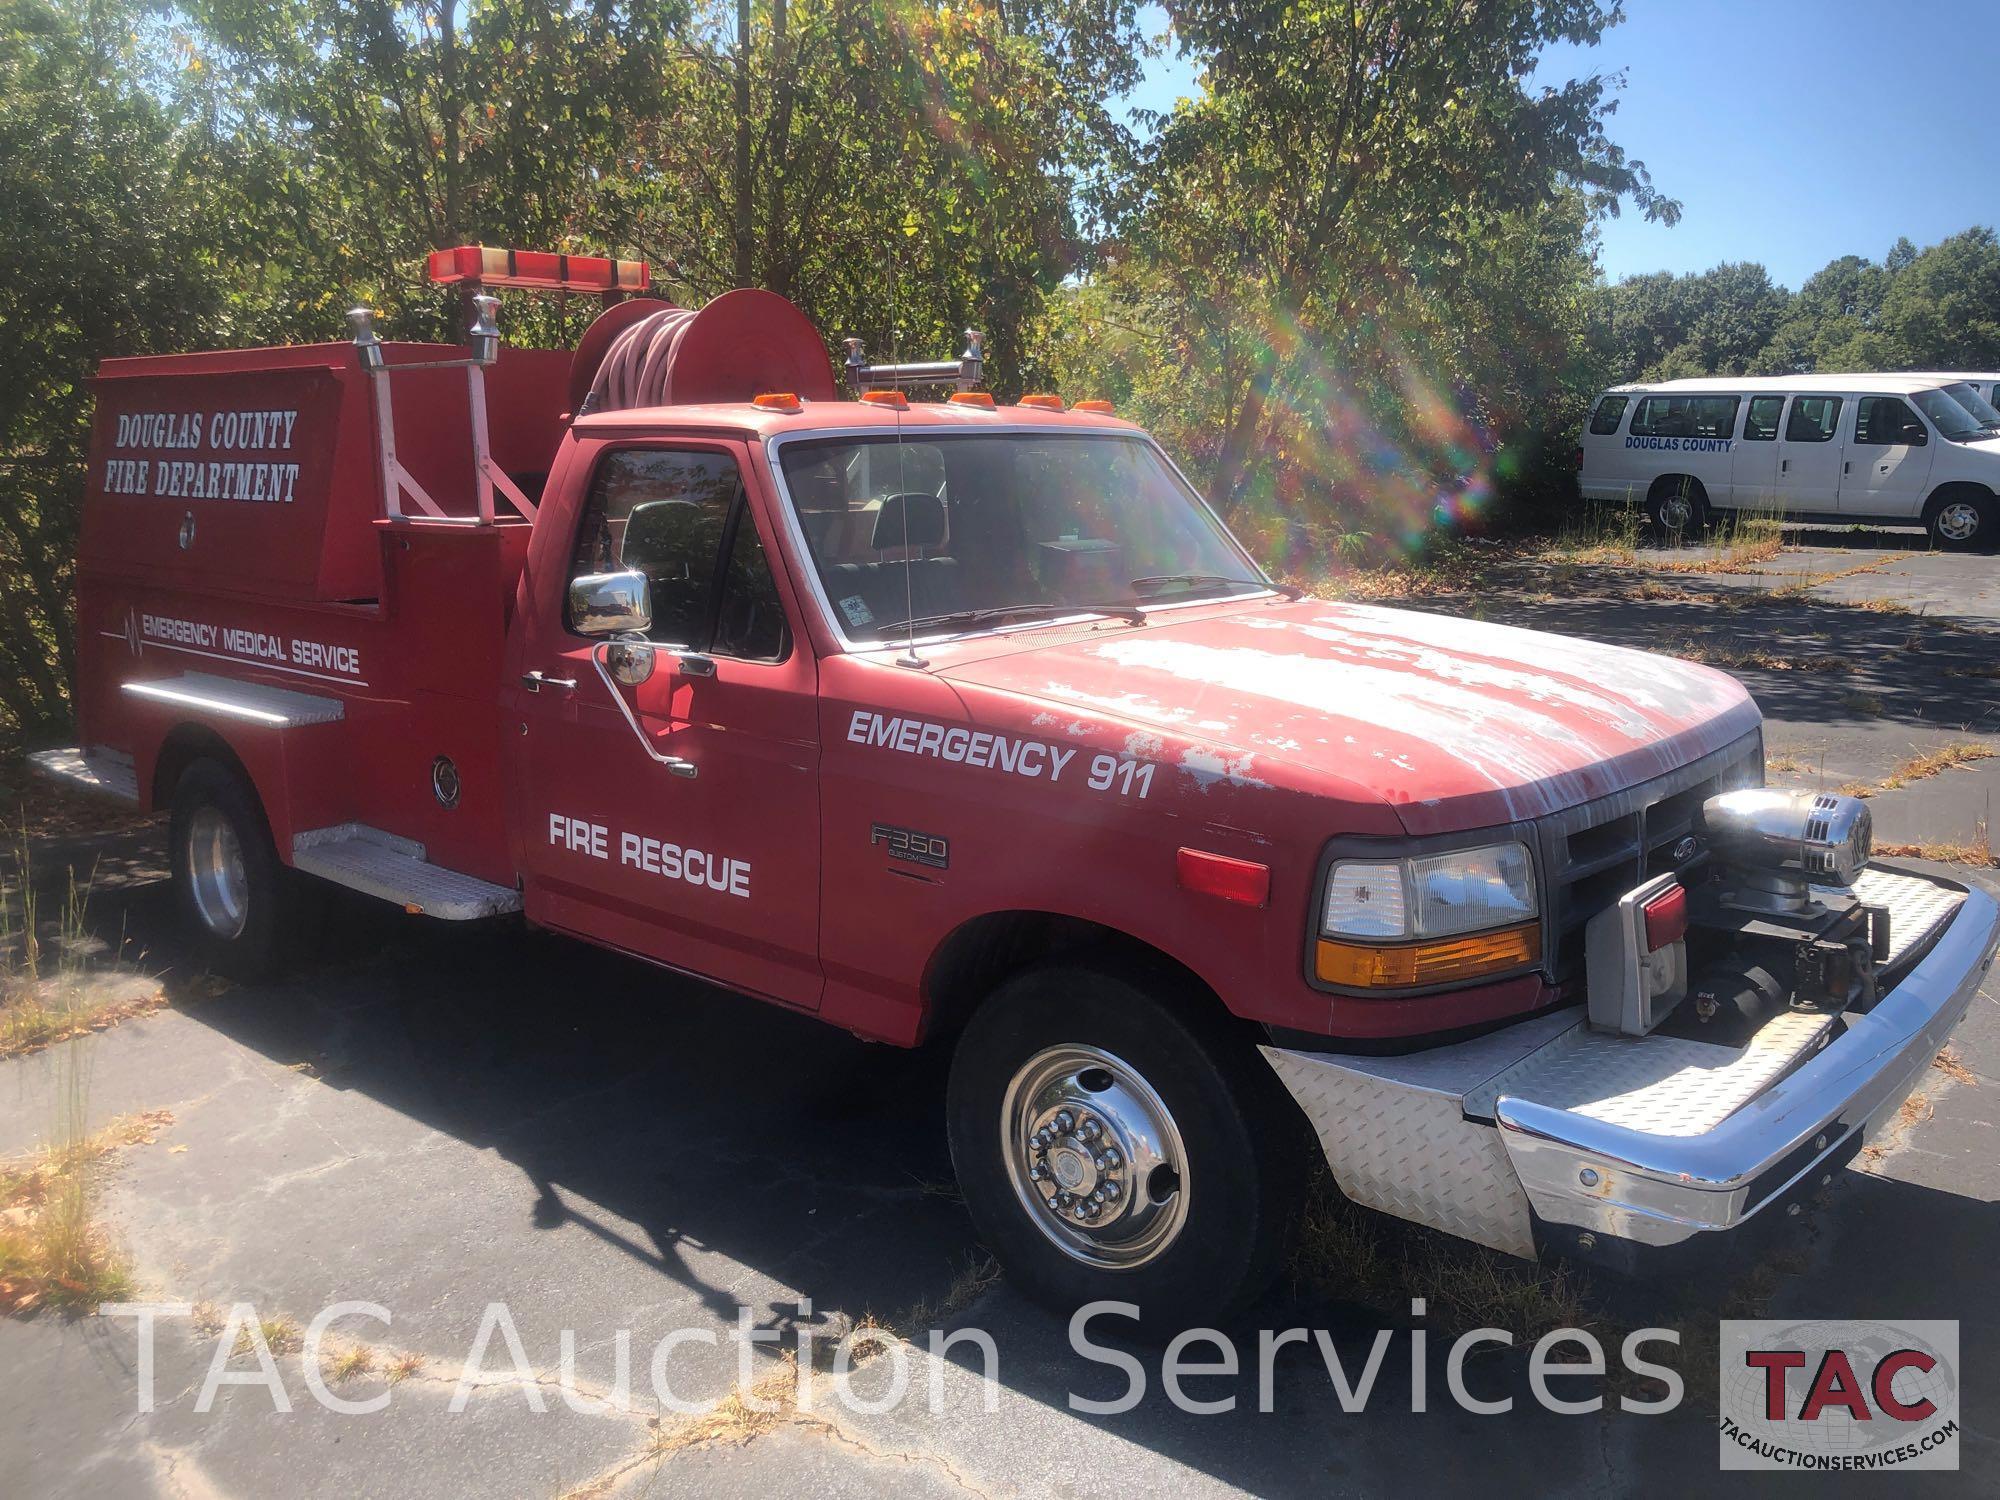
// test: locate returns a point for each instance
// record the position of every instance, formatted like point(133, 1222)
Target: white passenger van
point(1978, 392)
point(1893, 449)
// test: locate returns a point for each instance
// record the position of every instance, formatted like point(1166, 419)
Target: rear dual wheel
point(1117, 1137)
point(246, 913)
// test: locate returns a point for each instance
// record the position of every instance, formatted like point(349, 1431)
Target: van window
point(1882, 421)
point(1610, 411)
point(1813, 419)
point(1685, 416)
point(1760, 423)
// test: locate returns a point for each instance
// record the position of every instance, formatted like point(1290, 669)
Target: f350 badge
point(908, 844)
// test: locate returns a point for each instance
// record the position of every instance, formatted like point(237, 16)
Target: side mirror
point(607, 603)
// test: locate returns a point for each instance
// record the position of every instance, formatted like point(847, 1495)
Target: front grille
point(1593, 854)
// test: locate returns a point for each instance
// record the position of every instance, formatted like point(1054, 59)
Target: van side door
point(1810, 454)
point(1753, 463)
point(1888, 461)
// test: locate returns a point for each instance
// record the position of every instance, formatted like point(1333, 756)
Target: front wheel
point(1961, 521)
point(1116, 1137)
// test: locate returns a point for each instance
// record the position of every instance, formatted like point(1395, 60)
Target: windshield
point(1984, 412)
point(999, 527)
point(1949, 416)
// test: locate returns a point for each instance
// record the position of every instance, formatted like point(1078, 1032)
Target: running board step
point(102, 773)
point(381, 864)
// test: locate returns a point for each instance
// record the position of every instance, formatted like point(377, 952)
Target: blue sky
point(1792, 131)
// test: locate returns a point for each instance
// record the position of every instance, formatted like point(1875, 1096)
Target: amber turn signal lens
point(1097, 407)
point(777, 401)
point(981, 399)
point(887, 398)
point(1042, 403)
point(1436, 961)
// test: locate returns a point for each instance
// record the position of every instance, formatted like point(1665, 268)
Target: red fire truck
point(968, 721)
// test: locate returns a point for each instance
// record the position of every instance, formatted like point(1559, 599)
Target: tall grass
point(52, 1252)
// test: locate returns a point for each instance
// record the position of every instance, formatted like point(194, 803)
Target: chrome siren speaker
point(1774, 845)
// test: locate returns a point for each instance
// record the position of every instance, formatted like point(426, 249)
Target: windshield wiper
point(950, 618)
point(1211, 580)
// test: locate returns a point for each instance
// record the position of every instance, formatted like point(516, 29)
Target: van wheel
point(1115, 1138)
point(247, 913)
point(1962, 520)
point(1678, 505)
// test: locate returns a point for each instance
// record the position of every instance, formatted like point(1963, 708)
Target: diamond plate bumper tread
point(1662, 1085)
point(1415, 1136)
point(381, 864)
point(1411, 1152)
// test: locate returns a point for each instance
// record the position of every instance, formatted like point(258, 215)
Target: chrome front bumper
point(1546, 1130)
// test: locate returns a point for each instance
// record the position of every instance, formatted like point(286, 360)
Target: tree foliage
point(1351, 283)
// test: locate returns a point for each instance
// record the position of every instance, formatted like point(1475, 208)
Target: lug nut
point(1091, 1210)
point(1036, 1172)
point(1065, 1121)
point(1108, 1192)
point(1091, 1130)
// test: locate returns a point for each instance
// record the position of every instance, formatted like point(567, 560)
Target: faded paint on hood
point(1455, 723)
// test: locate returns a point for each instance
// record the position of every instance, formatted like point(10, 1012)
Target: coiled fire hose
point(638, 370)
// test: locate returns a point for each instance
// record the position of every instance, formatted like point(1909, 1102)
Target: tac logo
point(1835, 1395)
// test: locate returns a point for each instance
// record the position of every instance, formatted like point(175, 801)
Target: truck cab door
point(675, 817)
point(1810, 455)
point(1888, 462)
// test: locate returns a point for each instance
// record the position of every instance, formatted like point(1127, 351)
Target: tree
point(1346, 152)
point(106, 253)
point(346, 138)
point(1941, 311)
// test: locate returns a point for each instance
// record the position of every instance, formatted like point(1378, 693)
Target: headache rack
point(964, 373)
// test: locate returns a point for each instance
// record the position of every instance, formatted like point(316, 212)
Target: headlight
point(1428, 919)
point(1436, 895)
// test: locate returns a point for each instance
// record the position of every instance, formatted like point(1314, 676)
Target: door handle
point(1784, 466)
point(695, 664)
point(534, 682)
point(1846, 466)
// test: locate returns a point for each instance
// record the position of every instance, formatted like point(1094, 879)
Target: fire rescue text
point(654, 856)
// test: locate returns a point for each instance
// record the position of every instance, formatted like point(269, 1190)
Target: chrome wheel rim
point(1676, 512)
point(1958, 521)
point(216, 877)
point(1095, 1157)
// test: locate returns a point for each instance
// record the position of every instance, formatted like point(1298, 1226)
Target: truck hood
point(1454, 723)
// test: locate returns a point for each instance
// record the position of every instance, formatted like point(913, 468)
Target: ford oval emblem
point(1686, 849)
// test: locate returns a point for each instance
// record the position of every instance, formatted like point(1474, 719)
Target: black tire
point(1678, 505)
point(256, 935)
point(1952, 511)
point(1242, 1140)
